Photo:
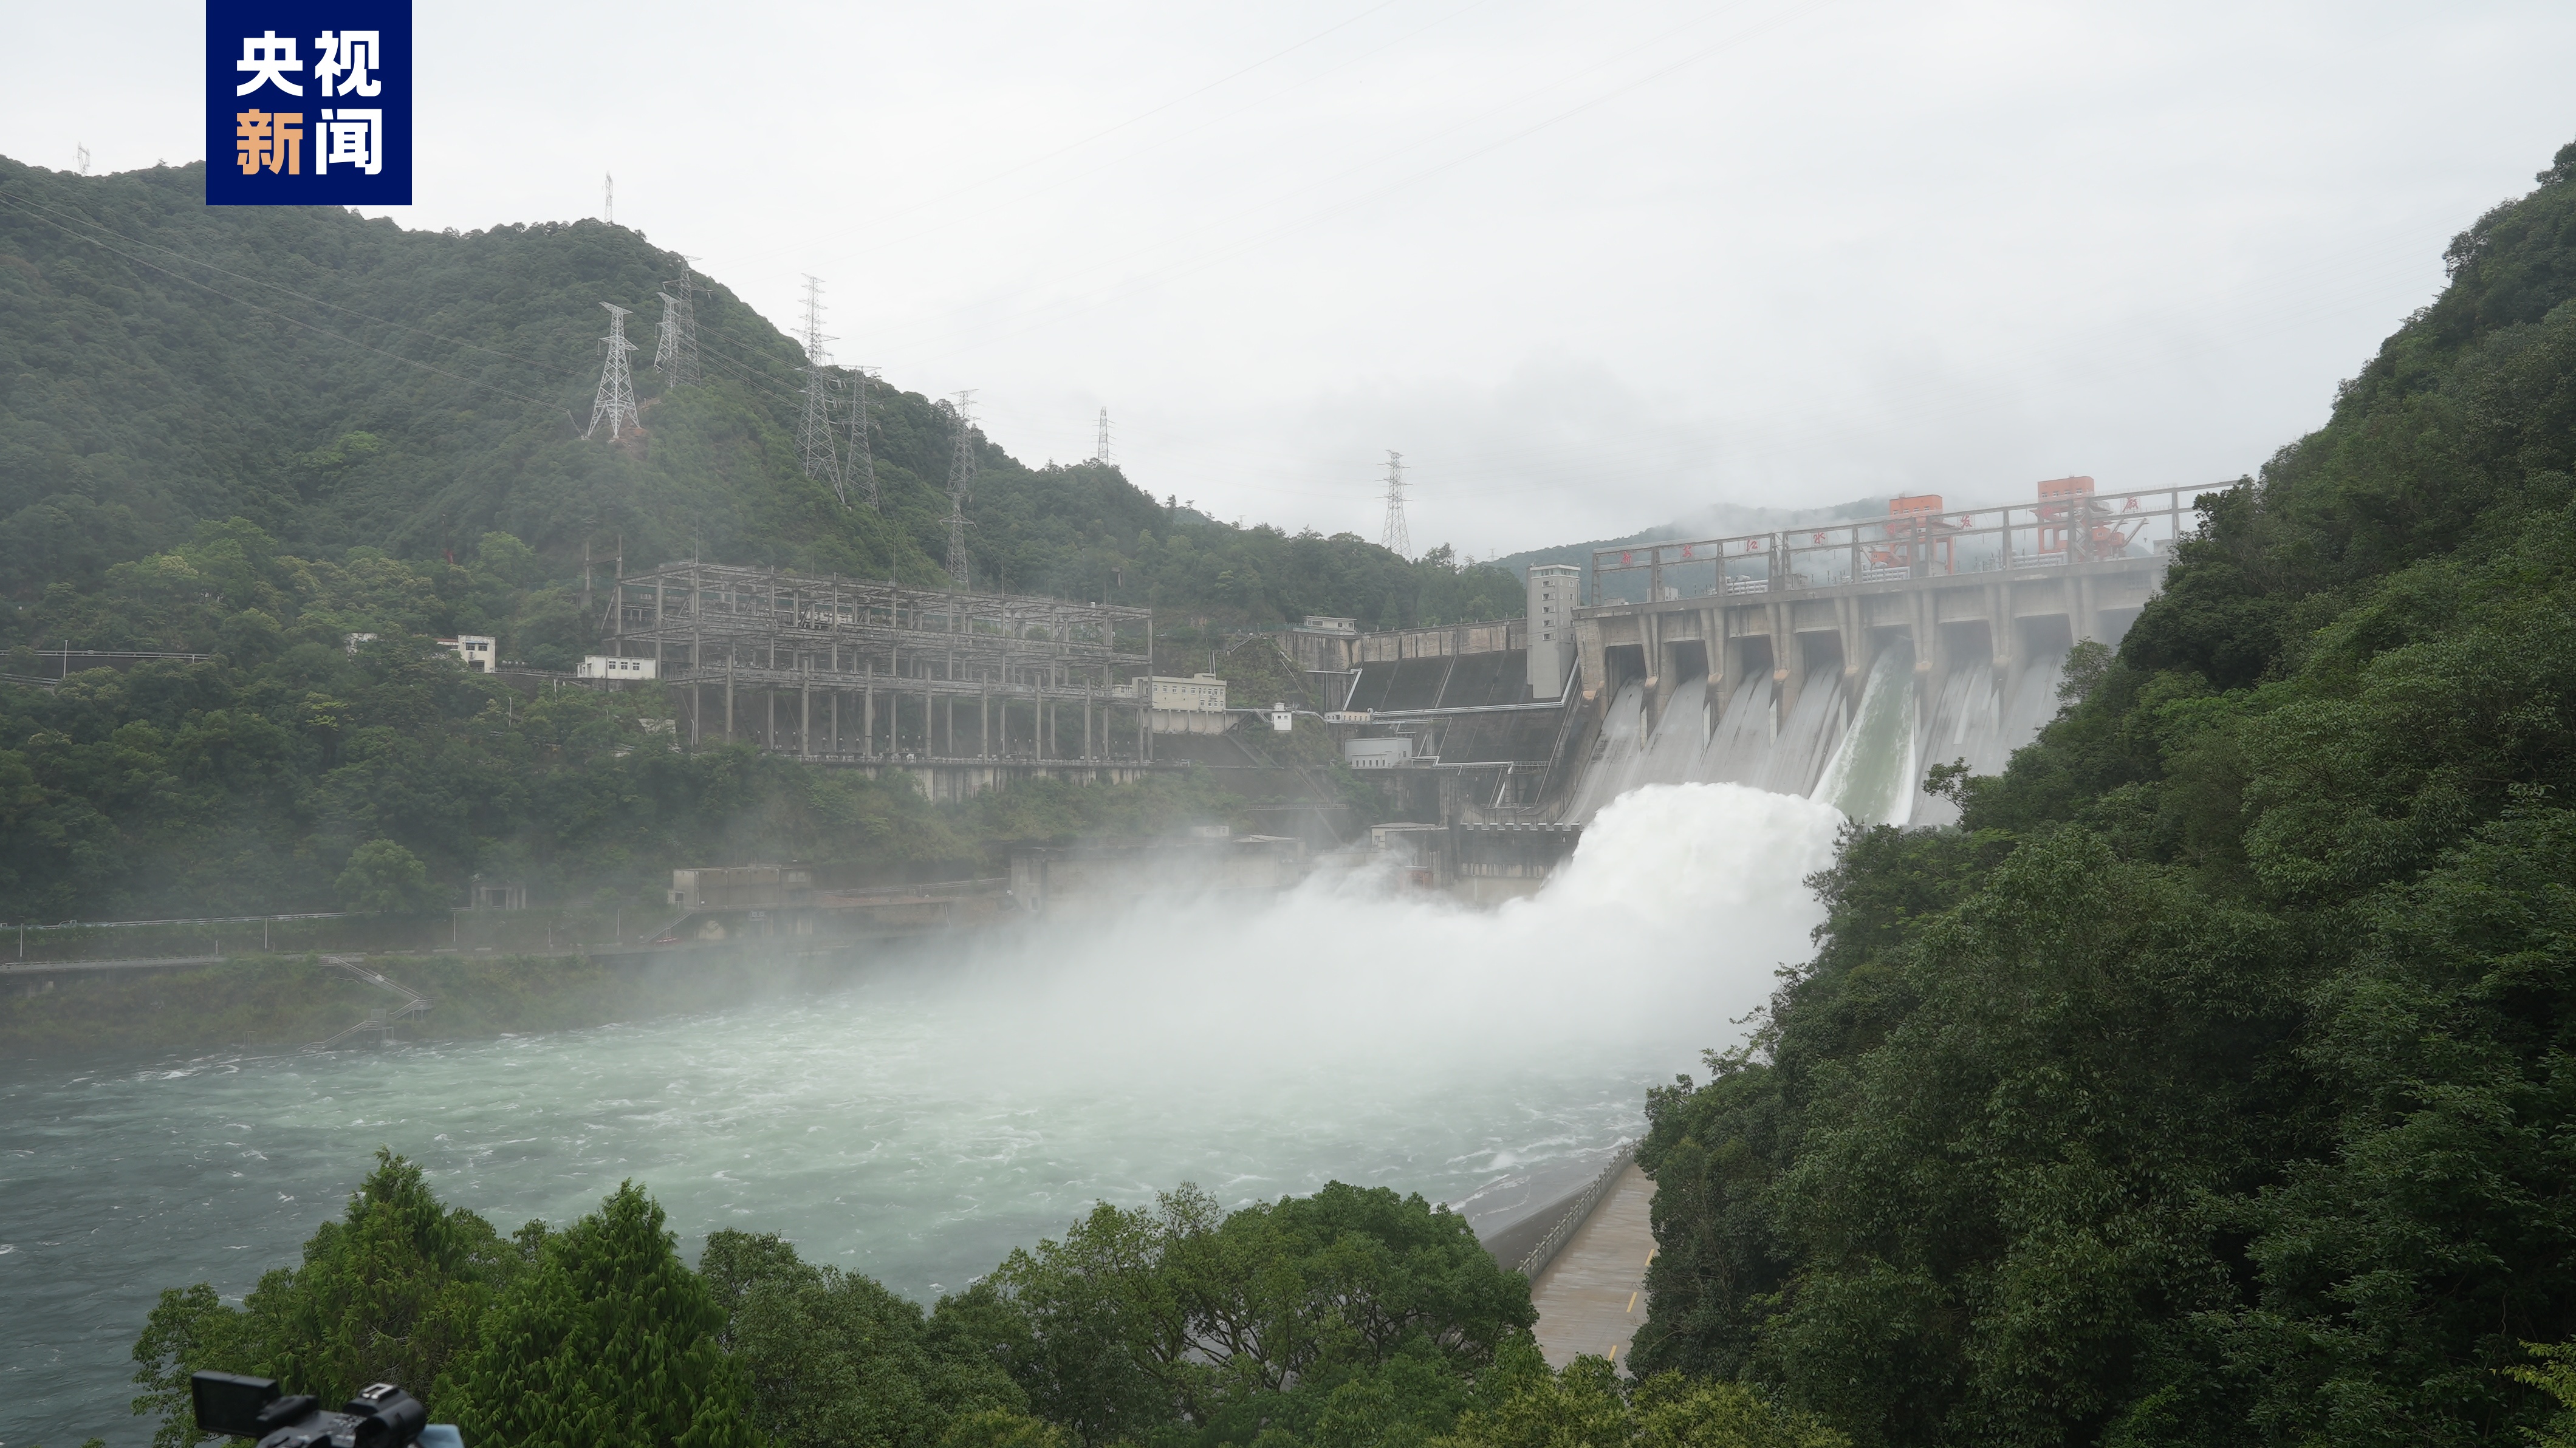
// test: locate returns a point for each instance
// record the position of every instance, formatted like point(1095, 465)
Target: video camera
point(380, 1416)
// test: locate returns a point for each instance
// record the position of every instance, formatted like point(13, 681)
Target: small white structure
point(1553, 590)
point(1392, 752)
point(477, 650)
point(1282, 719)
point(605, 666)
point(1195, 705)
point(1326, 623)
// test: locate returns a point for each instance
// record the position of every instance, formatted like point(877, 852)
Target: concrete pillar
point(1855, 639)
point(1591, 659)
point(1722, 667)
point(805, 716)
point(2083, 618)
point(2000, 640)
point(984, 723)
point(1650, 632)
point(868, 718)
point(728, 697)
point(1788, 665)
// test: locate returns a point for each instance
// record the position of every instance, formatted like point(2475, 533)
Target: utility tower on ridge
point(1100, 449)
point(615, 403)
point(608, 199)
point(862, 458)
point(683, 331)
point(961, 476)
point(1398, 541)
point(814, 434)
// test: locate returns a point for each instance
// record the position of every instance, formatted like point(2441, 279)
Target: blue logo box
point(308, 104)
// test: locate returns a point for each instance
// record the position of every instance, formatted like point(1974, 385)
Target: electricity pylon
point(1100, 449)
point(961, 476)
point(616, 400)
point(863, 458)
point(814, 434)
point(1398, 541)
point(675, 351)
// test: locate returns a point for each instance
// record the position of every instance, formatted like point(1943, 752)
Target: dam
point(1835, 662)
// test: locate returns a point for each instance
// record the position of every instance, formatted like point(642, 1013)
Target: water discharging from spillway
point(1862, 751)
point(920, 1123)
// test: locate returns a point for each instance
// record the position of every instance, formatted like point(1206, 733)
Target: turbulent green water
point(919, 1124)
point(1871, 776)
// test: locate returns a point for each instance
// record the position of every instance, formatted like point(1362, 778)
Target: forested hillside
point(2215, 1082)
point(249, 433)
point(342, 383)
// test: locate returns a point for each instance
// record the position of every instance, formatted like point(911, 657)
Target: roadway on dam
point(1592, 1296)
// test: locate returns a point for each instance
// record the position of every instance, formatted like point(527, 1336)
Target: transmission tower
point(961, 476)
point(814, 434)
point(1397, 540)
point(1100, 449)
point(616, 401)
point(862, 457)
point(676, 354)
point(608, 198)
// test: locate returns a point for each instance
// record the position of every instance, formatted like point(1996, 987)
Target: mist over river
point(921, 1122)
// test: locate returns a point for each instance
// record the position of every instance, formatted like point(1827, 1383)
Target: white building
point(476, 650)
point(1195, 705)
point(1553, 590)
point(603, 666)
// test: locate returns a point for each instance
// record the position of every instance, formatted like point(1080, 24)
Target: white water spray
point(920, 1124)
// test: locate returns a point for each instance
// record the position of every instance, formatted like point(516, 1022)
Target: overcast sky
point(1587, 266)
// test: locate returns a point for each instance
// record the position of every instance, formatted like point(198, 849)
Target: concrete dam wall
point(1861, 749)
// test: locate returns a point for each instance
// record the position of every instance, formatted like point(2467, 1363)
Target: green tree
point(832, 1358)
point(1588, 1406)
point(607, 1338)
point(383, 876)
point(392, 1292)
point(1355, 1304)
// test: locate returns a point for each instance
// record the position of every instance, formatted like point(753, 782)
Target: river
point(920, 1122)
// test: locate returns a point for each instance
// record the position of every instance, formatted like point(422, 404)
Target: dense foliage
point(254, 434)
point(293, 769)
point(2212, 1083)
point(1354, 1318)
point(345, 384)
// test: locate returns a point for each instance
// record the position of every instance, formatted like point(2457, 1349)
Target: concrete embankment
point(1586, 1256)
